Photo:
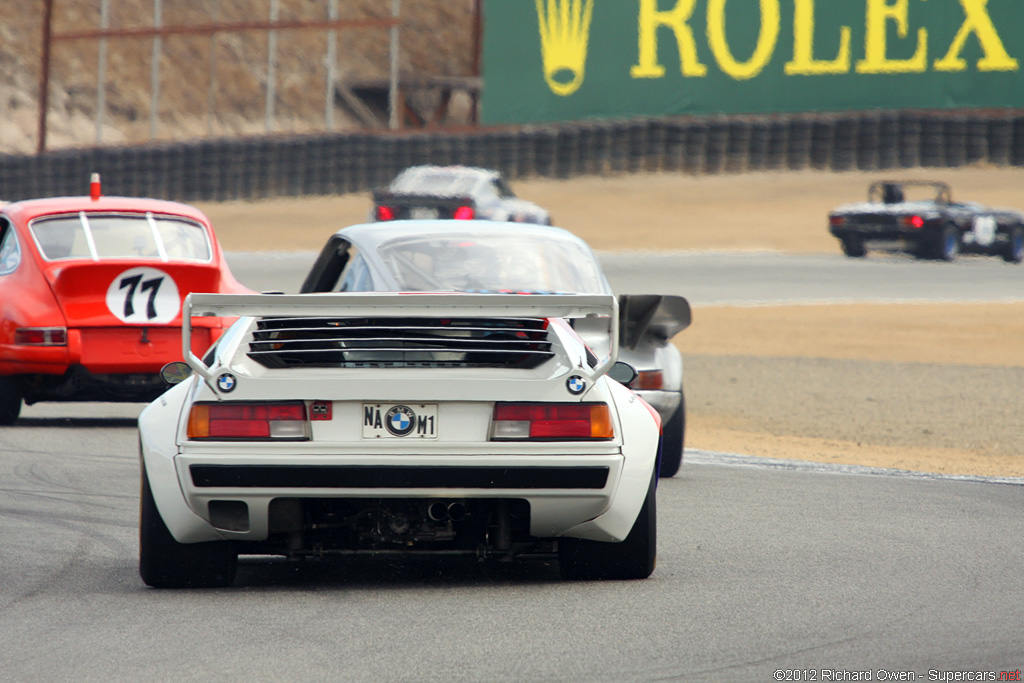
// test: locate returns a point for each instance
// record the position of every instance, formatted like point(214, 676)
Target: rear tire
point(853, 247)
point(1014, 252)
point(10, 400)
point(673, 441)
point(633, 558)
point(165, 563)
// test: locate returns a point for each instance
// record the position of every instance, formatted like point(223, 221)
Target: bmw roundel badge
point(400, 420)
point(576, 385)
point(227, 382)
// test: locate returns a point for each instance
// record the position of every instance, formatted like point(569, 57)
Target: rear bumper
point(584, 496)
point(889, 234)
point(105, 351)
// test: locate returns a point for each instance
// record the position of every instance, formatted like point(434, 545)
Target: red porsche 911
point(91, 290)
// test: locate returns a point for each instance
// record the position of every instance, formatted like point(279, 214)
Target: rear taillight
point(913, 221)
point(41, 336)
point(836, 220)
point(648, 379)
point(249, 421)
point(551, 421)
point(464, 213)
point(385, 213)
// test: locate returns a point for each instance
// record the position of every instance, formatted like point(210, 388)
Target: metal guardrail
point(327, 164)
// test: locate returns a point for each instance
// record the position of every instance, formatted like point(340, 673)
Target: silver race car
point(482, 256)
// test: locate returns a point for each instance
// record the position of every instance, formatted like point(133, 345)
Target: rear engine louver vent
point(400, 342)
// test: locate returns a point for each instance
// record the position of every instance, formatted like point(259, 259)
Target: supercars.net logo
point(564, 34)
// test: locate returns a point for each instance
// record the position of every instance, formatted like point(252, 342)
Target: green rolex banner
point(560, 60)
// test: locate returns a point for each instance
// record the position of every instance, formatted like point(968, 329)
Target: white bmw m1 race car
point(337, 424)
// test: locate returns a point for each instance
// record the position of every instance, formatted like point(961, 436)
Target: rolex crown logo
point(564, 33)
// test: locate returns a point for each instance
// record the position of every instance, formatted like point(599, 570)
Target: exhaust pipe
point(440, 511)
point(456, 512)
point(437, 511)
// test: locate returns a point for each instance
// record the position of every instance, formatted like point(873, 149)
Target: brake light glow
point(648, 379)
point(248, 421)
point(913, 221)
point(464, 213)
point(385, 213)
point(836, 220)
point(41, 336)
point(551, 421)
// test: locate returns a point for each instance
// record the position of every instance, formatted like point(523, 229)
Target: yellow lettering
point(651, 19)
point(804, 63)
point(766, 40)
point(875, 61)
point(978, 22)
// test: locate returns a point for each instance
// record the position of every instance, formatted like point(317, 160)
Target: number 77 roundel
point(144, 295)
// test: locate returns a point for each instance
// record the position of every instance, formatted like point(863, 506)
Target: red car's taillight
point(41, 336)
point(575, 421)
point(248, 421)
point(648, 379)
point(464, 213)
point(385, 213)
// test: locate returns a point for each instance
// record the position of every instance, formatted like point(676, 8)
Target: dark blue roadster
point(928, 225)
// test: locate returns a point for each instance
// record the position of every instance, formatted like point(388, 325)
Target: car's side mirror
point(623, 373)
point(176, 372)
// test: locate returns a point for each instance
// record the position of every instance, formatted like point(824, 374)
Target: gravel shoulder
point(925, 387)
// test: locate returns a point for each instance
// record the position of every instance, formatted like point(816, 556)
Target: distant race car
point(336, 424)
point(458, 192)
point(933, 227)
point(486, 256)
point(90, 296)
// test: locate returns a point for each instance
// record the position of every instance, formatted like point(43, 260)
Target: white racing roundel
point(143, 295)
point(985, 230)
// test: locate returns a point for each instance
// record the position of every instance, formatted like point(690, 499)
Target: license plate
point(400, 421)
point(422, 213)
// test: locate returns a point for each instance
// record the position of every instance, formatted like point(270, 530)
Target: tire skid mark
point(56, 495)
point(853, 638)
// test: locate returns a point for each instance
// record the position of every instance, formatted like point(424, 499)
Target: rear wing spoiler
point(659, 316)
point(411, 199)
point(392, 304)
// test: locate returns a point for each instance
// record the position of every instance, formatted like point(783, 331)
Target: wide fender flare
point(158, 447)
point(641, 434)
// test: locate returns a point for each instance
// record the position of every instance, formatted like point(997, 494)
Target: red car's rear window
point(103, 236)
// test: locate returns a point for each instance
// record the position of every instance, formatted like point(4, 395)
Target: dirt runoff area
point(924, 387)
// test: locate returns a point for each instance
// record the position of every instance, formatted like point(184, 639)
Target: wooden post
point(394, 94)
point(44, 76)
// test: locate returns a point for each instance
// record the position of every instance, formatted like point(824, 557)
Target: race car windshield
point(103, 236)
point(492, 263)
point(438, 183)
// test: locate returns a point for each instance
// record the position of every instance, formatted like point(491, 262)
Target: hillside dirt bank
point(926, 387)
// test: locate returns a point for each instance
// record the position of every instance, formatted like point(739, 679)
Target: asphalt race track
point(763, 566)
point(750, 278)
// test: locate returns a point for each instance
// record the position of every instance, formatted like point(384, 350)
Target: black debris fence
point(268, 167)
